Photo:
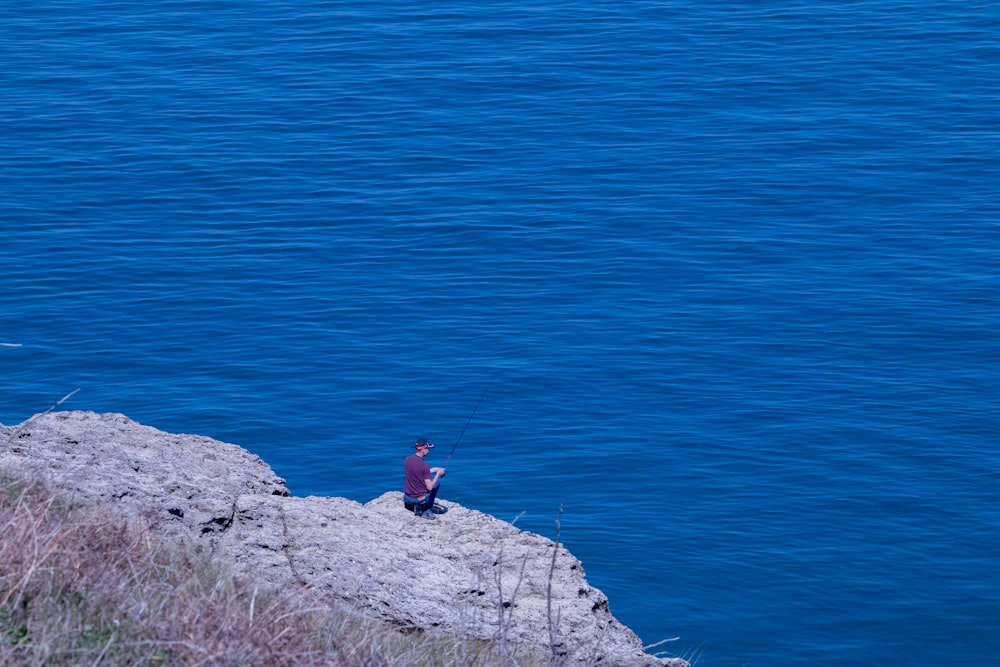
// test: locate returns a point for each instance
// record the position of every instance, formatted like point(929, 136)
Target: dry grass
point(80, 586)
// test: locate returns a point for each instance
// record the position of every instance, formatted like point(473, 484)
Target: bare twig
point(662, 641)
point(100, 656)
point(553, 626)
point(40, 414)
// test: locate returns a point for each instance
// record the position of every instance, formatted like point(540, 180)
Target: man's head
point(423, 447)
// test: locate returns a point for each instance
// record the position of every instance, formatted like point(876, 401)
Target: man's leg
point(428, 502)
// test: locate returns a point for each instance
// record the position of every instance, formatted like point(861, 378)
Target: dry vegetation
point(79, 586)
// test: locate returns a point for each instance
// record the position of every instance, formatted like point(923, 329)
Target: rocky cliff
point(467, 572)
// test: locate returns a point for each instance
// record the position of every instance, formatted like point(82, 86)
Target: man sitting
point(421, 482)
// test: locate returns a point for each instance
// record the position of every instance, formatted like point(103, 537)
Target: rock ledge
point(467, 573)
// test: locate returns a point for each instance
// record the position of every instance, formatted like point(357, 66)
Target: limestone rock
point(465, 572)
point(187, 482)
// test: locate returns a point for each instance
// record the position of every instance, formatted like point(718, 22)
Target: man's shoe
point(428, 514)
point(439, 509)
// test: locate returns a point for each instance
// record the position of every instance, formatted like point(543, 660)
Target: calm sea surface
point(725, 277)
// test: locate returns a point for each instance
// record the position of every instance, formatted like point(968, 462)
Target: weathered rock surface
point(466, 572)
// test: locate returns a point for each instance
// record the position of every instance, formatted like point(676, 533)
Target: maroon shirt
point(416, 471)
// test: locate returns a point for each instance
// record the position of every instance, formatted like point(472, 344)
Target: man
point(421, 483)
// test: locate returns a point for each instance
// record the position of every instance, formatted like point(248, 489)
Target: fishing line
point(469, 421)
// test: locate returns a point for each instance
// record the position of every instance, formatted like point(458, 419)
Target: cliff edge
point(467, 573)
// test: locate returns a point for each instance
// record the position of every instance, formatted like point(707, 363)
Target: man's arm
point(438, 474)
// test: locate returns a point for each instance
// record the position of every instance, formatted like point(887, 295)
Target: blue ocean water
point(718, 279)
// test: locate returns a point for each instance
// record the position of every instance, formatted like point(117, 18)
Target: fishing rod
point(469, 421)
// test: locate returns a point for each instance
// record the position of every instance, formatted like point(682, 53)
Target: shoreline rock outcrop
point(467, 573)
